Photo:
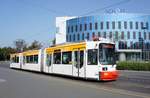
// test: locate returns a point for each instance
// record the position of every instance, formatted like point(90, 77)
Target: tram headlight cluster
point(104, 68)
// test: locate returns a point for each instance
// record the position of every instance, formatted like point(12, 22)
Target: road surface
point(23, 84)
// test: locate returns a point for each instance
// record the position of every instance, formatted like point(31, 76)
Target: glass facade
point(129, 31)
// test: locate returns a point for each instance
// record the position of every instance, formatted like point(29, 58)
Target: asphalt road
point(23, 84)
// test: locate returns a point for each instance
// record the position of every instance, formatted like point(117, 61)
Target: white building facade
point(60, 36)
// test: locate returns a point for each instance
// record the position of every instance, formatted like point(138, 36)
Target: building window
point(113, 25)
point(134, 35)
point(71, 28)
point(122, 35)
point(128, 35)
point(82, 36)
point(104, 35)
point(140, 35)
point(67, 37)
point(147, 25)
point(149, 35)
point(125, 45)
point(96, 27)
point(99, 34)
point(134, 45)
point(70, 38)
point(144, 35)
point(102, 25)
point(90, 26)
point(85, 27)
point(119, 25)
point(88, 36)
point(107, 25)
point(121, 45)
point(125, 25)
point(78, 36)
point(116, 35)
point(80, 27)
point(131, 25)
point(76, 28)
point(137, 45)
point(93, 35)
point(131, 45)
point(110, 35)
point(136, 25)
point(68, 29)
point(74, 37)
point(142, 25)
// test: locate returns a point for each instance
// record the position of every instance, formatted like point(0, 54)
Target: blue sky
point(35, 19)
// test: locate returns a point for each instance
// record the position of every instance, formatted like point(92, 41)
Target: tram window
point(49, 60)
point(32, 59)
point(92, 57)
point(35, 58)
point(24, 59)
point(12, 59)
point(67, 57)
point(15, 59)
point(76, 59)
point(57, 58)
point(27, 59)
point(81, 58)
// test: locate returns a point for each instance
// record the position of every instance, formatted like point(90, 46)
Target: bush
point(133, 65)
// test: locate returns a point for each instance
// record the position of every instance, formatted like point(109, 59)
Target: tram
point(89, 60)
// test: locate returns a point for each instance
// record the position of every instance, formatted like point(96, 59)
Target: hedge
point(133, 65)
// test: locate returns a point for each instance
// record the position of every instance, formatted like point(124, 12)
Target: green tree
point(5, 53)
point(35, 45)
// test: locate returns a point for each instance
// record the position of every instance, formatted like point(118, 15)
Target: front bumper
point(108, 75)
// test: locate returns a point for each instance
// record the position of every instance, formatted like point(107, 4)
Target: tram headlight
point(104, 68)
point(105, 74)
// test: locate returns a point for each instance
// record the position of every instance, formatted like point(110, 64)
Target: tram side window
point(81, 58)
point(92, 56)
point(32, 59)
point(57, 58)
point(27, 59)
point(35, 58)
point(15, 59)
point(49, 57)
point(67, 57)
point(24, 59)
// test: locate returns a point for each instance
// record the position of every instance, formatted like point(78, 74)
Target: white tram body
point(32, 60)
point(90, 59)
point(16, 60)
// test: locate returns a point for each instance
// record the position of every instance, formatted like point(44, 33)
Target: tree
point(5, 53)
point(35, 45)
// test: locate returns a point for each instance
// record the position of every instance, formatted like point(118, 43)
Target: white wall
point(61, 29)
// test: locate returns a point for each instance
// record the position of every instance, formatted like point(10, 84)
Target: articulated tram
point(89, 60)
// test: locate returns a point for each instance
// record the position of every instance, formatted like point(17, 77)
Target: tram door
point(78, 63)
point(49, 63)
